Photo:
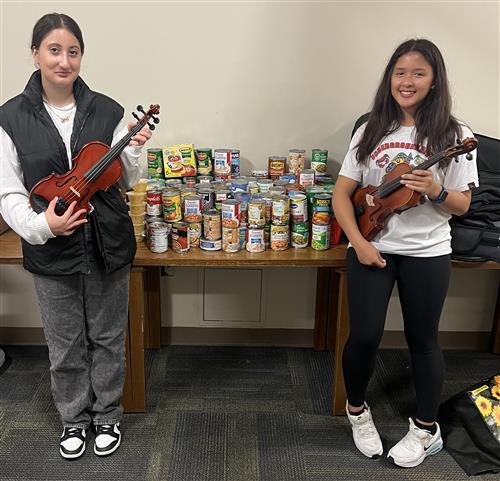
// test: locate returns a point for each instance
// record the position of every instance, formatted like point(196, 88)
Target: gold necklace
point(63, 118)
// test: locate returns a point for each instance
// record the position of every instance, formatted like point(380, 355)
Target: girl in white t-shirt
point(410, 120)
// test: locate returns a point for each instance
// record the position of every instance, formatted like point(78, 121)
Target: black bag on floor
point(470, 426)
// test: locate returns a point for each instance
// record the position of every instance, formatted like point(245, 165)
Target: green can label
point(155, 164)
point(319, 161)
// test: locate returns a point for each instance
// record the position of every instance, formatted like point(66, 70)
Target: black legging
point(422, 285)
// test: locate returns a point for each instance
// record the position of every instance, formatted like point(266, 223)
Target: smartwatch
point(441, 197)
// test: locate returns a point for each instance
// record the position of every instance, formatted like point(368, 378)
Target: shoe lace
point(415, 438)
point(70, 432)
point(105, 429)
point(367, 429)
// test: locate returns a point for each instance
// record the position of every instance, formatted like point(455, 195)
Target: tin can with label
point(204, 179)
point(296, 160)
point(210, 245)
point(155, 164)
point(192, 208)
point(243, 198)
point(264, 185)
point(153, 203)
point(180, 237)
point(319, 161)
point(212, 225)
point(194, 234)
point(300, 235)
point(190, 181)
point(256, 217)
point(279, 237)
point(157, 236)
point(230, 213)
point(222, 163)
point(298, 207)
point(220, 196)
point(253, 187)
point(235, 163)
point(293, 188)
point(203, 160)
point(230, 239)
point(324, 180)
point(207, 196)
point(243, 235)
point(280, 213)
point(239, 185)
point(306, 177)
point(260, 174)
point(255, 240)
point(320, 237)
point(276, 166)
point(171, 200)
point(322, 208)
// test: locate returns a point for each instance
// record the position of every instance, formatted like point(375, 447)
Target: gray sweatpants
point(84, 319)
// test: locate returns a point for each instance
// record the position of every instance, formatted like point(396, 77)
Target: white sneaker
point(72, 444)
point(107, 439)
point(416, 446)
point(365, 434)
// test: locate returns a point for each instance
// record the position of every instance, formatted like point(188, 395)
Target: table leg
point(134, 391)
point(152, 321)
point(321, 314)
point(342, 332)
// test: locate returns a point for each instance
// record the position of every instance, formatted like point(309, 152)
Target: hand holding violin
point(422, 181)
point(66, 223)
point(141, 137)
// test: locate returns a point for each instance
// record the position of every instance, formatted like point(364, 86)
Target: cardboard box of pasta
point(179, 160)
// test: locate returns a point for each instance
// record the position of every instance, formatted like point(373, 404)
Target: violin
point(96, 167)
point(374, 205)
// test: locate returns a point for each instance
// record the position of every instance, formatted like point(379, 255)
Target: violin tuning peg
point(140, 108)
point(459, 141)
point(151, 126)
point(468, 156)
point(135, 116)
point(156, 120)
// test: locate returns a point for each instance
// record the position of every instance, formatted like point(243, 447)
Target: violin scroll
point(465, 147)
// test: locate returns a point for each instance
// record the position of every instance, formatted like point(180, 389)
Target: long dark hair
point(433, 119)
point(50, 22)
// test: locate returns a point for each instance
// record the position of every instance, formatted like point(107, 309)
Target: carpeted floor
point(227, 414)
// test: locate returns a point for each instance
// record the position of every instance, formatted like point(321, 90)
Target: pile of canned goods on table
point(218, 209)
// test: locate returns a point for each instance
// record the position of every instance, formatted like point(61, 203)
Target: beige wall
point(264, 77)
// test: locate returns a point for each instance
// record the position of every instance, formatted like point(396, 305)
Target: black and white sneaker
point(107, 439)
point(72, 443)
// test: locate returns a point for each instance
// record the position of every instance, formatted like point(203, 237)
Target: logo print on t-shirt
point(400, 158)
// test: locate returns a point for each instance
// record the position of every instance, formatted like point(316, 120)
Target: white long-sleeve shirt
point(14, 198)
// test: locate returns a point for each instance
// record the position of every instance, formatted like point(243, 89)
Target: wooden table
point(331, 315)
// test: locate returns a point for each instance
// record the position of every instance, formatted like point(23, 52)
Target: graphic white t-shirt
point(421, 231)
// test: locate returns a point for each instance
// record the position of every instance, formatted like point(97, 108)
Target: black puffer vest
point(41, 151)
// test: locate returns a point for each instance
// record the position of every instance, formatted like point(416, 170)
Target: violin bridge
point(75, 191)
point(369, 200)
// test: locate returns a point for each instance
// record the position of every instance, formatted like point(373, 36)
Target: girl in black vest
point(80, 265)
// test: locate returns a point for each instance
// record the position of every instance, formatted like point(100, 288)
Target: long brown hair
point(433, 119)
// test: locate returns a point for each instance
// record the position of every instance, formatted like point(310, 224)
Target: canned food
point(319, 161)
point(264, 185)
point(204, 179)
point(280, 213)
point(192, 208)
point(253, 187)
point(155, 164)
point(256, 240)
point(207, 196)
point(322, 208)
point(296, 160)
point(256, 217)
point(194, 234)
point(230, 213)
point(230, 239)
point(180, 237)
point(222, 163)
point(277, 190)
point(306, 177)
point(277, 166)
point(171, 200)
point(243, 236)
point(210, 245)
point(288, 178)
point(279, 237)
point(320, 239)
point(173, 182)
point(220, 196)
point(293, 188)
point(324, 180)
point(239, 185)
point(298, 207)
point(260, 174)
point(243, 198)
point(190, 181)
point(153, 203)
point(212, 225)
point(300, 235)
point(203, 160)
point(155, 184)
point(235, 163)
point(157, 236)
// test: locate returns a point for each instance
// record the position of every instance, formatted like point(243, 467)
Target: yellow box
point(179, 161)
